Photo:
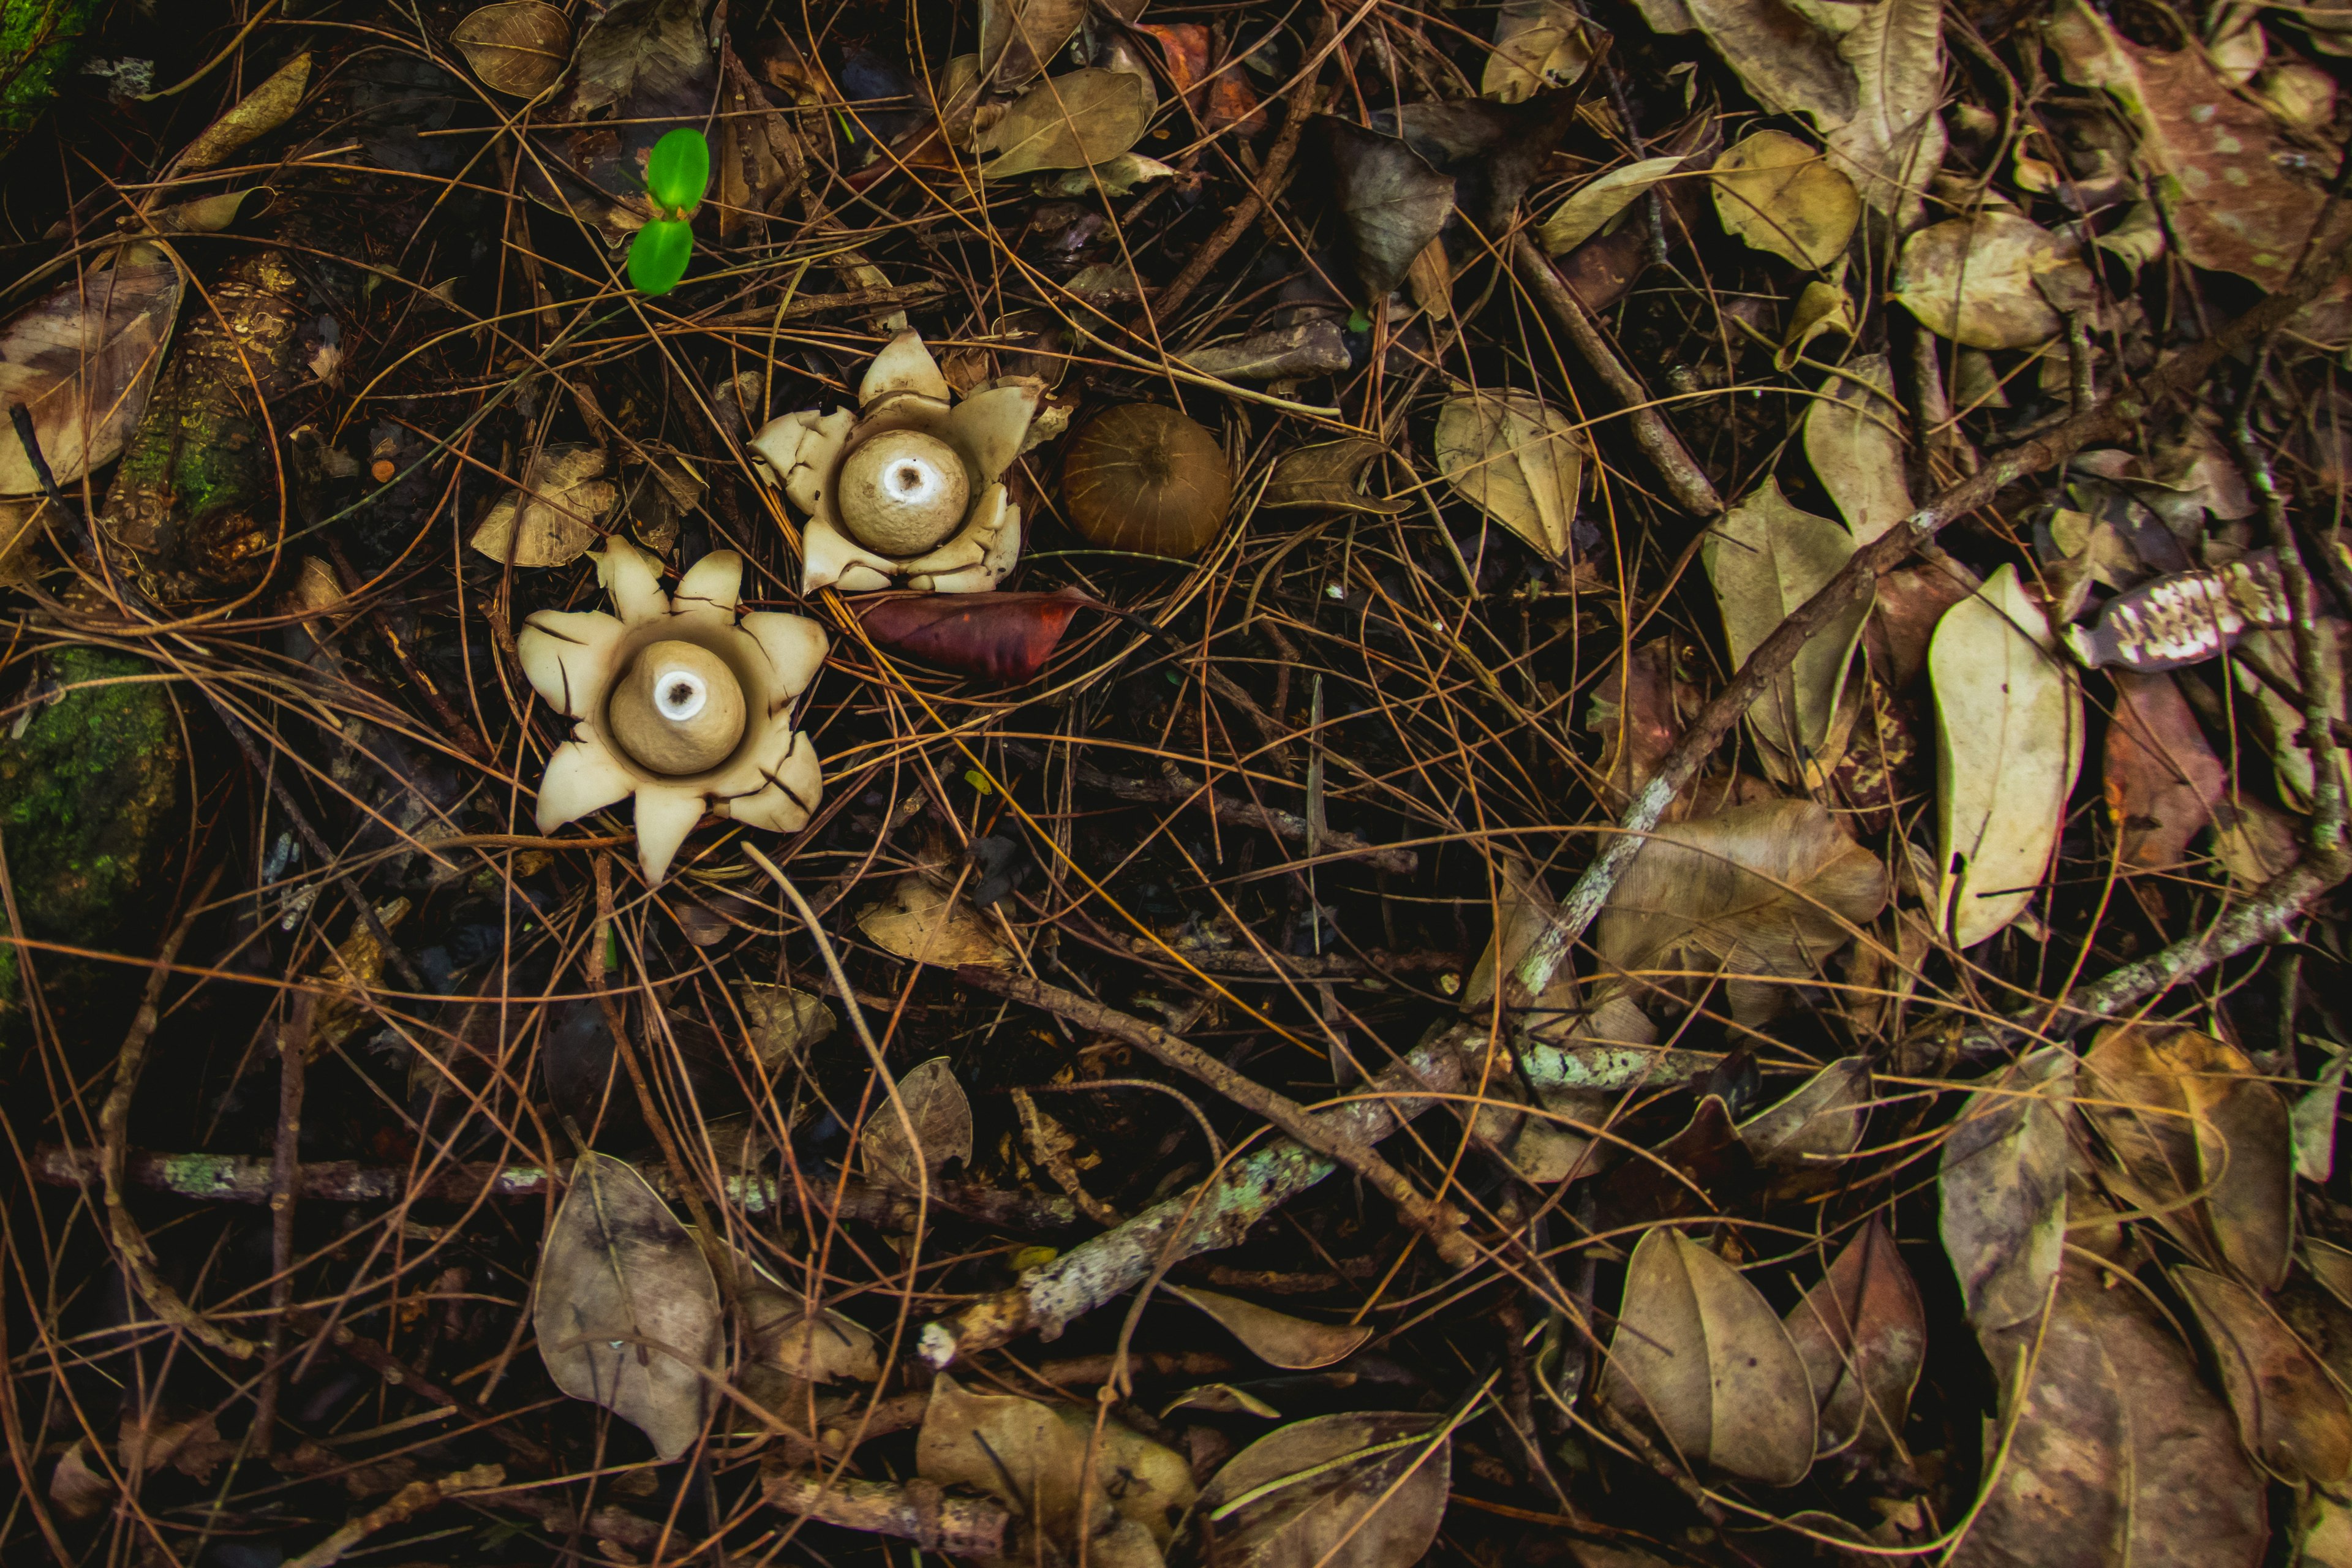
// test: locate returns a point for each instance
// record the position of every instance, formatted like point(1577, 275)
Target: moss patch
point(37, 39)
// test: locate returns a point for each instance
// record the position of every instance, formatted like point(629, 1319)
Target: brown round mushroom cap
point(902, 492)
point(679, 709)
point(1141, 477)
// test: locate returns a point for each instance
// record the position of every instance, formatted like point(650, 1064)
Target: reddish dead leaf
point(1638, 710)
point(1910, 603)
point(1863, 1335)
point(1226, 99)
point(2290, 1416)
point(1003, 637)
point(2162, 780)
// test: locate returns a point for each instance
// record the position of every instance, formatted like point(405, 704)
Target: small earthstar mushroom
point(680, 702)
point(1144, 477)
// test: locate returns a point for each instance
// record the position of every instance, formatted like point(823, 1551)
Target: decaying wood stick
point(918, 1512)
point(406, 1503)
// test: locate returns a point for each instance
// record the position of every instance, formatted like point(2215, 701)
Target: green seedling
point(676, 174)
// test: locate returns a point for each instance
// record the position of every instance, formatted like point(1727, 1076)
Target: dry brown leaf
point(1276, 1338)
point(1819, 1124)
point(1324, 476)
point(1314, 347)
point(1992, 281)
point(941, 1114)
point(551, 520)
point(1538, 43)
point(784, 1023)
point(1517, 459)
point(2002, 1190)
point(1784, 197)
point(916, 920)
point(2290, 1416)
point(1359, 1490)
point(82, 359)
point(1017, 38)
point(519, 47)
point(1765, 560)
point(2161, 778)
point(625, 1311)
point(1591, 206)
point(255, 115)
point(1701, 1356)
point(1854, 439)
point(1862, 1336)
point(1066, 121)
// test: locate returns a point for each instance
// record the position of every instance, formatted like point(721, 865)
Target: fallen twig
point(406, 1503)
point(918, 1512)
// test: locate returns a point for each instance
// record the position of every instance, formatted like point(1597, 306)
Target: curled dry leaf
point(1823, 308)
point(2009, 723)
point(2290, 1416)
point(1768, 889)
point(1309, 348)
point(1862, 1336)
point(2161, 778)
point(916, 920)
point(550, 520)
point(1276, 1338)
point(1018, 37)
point(2117, 1452)
point(1003, 637)
point(784, 1331)
point(1854, 439)
point(1324, 476)
point(2200, 1141)
point(1820, 1123)
point(1394, 202)
point(82, 359)
point(1591, 207)
point(254, 116)
point(784, 1023)
point(1782, 196)
point(941, 1114)
point(1992, 281)
point(625, 1307)
point(1517, 459)
point(2002, 1190)
point(1367, 1489)
point(1700, 1355)
point(1067, 121)
point(1765, 560)
point(1538, 43)
point(519, 47)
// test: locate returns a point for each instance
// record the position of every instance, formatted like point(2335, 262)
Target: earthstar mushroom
point(680, 702)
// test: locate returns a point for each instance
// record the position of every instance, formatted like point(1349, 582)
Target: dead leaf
point(1764, 559)
point(2117, 1452)
point(1591, 206)
point(1911, 604)
point(625, 1309)
point(1823, 308)
point(1066, 121)
point(2009, 721)
point(1819, 1123)
point(1639, 708)
point(254, 116)
point(1017, 38)
point(1003, 637)
point(519, 47)
point(1862, 1333)
point(1315, 347)
point(2291, 1417)
point(78, 1492)
point(1760, 891)
point(1784, 197)
point(1118, 177)
point(1517, 459)
point(1276, 1338)
point(936, 1103)
point(1394, 202)
point(1700, 1355)
point(1324, 476)
point(1365, 1489)
point(784, 1331)
point(784, 1023)
point(638, 50)
point(2161, 778)
point(561, 501)
point(1854, 439)
point(1992, 281)
point(1538, 43)
point(2002, 1188)
point(82, 359)
point(916, 920)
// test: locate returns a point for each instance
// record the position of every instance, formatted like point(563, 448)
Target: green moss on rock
point(92, 809)
point(38, 39)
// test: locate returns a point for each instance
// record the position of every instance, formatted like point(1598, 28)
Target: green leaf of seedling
point(657, 257)
point(979, 781)
point(679, 172)
point(1359, 323)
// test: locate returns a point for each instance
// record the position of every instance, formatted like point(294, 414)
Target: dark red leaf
point(2162, 779)
point(1005, 638)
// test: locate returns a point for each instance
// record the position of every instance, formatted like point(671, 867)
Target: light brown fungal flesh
point(679, 709)
point(1141, 477)
point(902, 492)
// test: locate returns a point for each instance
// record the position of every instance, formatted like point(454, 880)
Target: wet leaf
point(82, 359)
point(1766, 889)
point(784, 1023)
point(1394, 202)
point(2161, 778)
point(1517, 459)
point(916, 920)
point(1538, 43)
point(2291, 1417)
point(1854, 439)
point(1325, 476)
point(1066, 121)
point(2002, 1188)
point(1765, 560)
point(1591, 207)
point(1862, 1336)
point(1782, 196)
point(254, 116)
point(1276, 1338)
point(2009, 721)
point(1364, 1490)
point(1993, 281)
point(2201, 1141)
point(519, 47)
point(551, 520)
point(1820, 1123)
point(935, 1102)
point(1003, 637)
point(1700, 1355)
point(2118, 1452)
point(625, 1309)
